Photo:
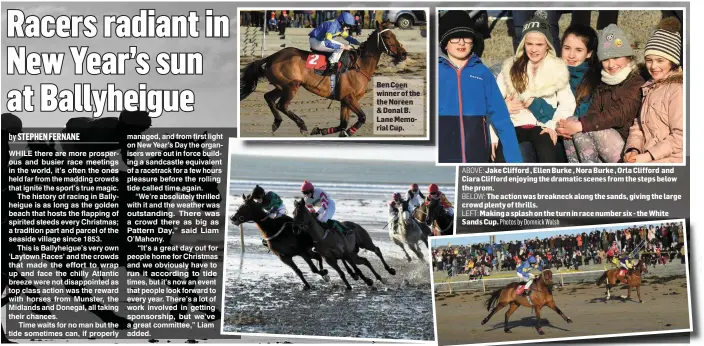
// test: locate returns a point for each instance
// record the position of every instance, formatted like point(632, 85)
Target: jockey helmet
point(346, 19)
point(258, 192)
point(397, 196)
point(414, 187)
point(433, 188)
point(307, 187)
point(11, 123)
point(532, 260)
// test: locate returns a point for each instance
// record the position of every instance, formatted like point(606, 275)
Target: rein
point(279, 232)
point(386, 50)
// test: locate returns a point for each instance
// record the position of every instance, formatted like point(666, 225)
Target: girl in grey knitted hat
point(600, 135)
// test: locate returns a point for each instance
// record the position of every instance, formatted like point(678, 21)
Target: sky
point(509, 236)
point(214, 91)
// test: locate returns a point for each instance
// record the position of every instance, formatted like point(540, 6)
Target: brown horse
point(633, 279)
point(540, 295)
point(286, 71)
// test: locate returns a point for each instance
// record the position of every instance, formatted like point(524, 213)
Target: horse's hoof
point(369, 282)
point(349, 288)
point(303, 127)
point(316, 131)
point(275, 126)
point(640, 301)
point(409, 259)
point(326, 278)
point(355, 277)
point(507, 331)
point(323, 272)
point(392, 271)
point(484, 322)
point(306, 287)
point(345, 134)
point(569, 320)
point(540, 331)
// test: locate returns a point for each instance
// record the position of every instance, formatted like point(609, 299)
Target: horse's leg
point(554, 307)
point(514, 306)
point(424, 237)
point(498, 307)
point(271, 98)
point(629, 288)
point(334, 265)
point(285, 101)
point(416, 249)
point(354, 106)
point(354, 275)
point(288, 260)
point(364, 261)
point(537, 319)
point(400, 244)
point(307, 257)
point(638, 291)
point(344, 119)
point(352, 259)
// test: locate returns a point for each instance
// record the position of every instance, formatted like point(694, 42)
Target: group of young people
point(593, 104)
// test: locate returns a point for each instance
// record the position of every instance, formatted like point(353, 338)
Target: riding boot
point(265, 243)
point(395, 226)
point(332, 69)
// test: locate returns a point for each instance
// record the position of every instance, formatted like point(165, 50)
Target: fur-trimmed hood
point(552, 75)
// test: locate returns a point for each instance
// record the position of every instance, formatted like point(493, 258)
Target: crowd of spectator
point(658, 245)
point(279, 20)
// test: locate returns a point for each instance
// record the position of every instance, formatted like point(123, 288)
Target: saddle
point(318, 62)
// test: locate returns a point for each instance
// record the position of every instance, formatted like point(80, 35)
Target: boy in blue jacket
point(469, 99)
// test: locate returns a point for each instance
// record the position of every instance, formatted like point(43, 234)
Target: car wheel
point(404, 22)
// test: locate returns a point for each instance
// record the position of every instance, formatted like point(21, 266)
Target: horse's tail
point(491, 302)
point(250, 77)
point(602, 278)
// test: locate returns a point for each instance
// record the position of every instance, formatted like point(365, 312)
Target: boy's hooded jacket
point(469, 101)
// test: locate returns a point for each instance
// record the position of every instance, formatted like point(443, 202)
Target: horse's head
point(386, 42)
point(547, 277)
point(204, 189)
point(301, 217)
point(433, 211)
point(642, 266)
point(248, 211)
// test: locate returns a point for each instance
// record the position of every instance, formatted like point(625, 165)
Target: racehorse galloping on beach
point(286, 70)
point(443, 222)
point(616, 275)
point(335, 246)
point(281, 239)
point(409, 233)
point(540, 295)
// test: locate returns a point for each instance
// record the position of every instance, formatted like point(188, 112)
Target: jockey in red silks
point(434, 193)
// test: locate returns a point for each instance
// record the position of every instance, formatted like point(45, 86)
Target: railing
point(589, 276)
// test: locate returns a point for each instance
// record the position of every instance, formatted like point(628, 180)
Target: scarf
point(577, 74)
point(618, 78)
